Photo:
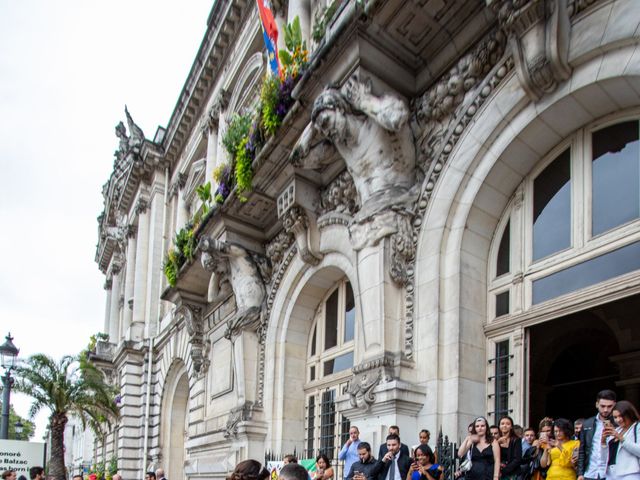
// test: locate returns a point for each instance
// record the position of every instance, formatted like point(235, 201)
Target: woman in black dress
point(484, 452)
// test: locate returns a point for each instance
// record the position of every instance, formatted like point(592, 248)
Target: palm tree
point(72, 386)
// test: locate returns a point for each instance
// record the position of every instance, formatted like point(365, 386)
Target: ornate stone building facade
point(446, 224)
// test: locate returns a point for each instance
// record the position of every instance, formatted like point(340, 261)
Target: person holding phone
point(558, 451)
point(324, 471)
point(365, 468)
point(592, 464)
point(424, 465)
point(623, 449)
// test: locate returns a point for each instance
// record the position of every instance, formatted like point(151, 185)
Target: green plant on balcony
point(322, 19)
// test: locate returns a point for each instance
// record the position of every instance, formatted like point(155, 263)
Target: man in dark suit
point(394, 465)
point(592, 463)
point(395, 430)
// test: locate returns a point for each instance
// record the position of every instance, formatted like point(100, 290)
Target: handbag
point(465, 466)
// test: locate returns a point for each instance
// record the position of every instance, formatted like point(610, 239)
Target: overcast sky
point(67, 69)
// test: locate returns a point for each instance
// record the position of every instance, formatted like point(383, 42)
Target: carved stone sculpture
point(538, 32)
point(194, 323)
point(246, 279)
point(373, 137)
point(137, 136)
point(366, 377)
point(297, 222)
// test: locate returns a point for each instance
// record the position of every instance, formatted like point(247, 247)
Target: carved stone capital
point(297, 222)
point(178, 184)
point(219, 105)
point(131, 231)
point(538, 32)
point(108, 283)
point(116, 265)
point(141, 206)
point(280, 7)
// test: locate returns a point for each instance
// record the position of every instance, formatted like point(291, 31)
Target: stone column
point(140, 274)
point(301, 9)
point(107, 314)
point(155, 255)
point(211, 130)
point(127, 312)
point(115, 302)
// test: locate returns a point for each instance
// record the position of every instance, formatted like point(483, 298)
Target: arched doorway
point(174, 425)
point(575, 356)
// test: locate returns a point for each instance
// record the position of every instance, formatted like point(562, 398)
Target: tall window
point(329, 362)
point(573, 223)
point(501, 376)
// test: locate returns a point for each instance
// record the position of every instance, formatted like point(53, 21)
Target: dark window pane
point(349, 314)
point(331, 321)
point(312, 373)
point(311, 416)
point(502, 380)
point(585, 274)
point(327, 422)
point(502, 303)
point(338, 364)
point(616, 176)
point(504, 251)
point(313, 341)
point(552, 208)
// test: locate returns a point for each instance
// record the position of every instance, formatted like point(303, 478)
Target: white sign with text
point(21, 456)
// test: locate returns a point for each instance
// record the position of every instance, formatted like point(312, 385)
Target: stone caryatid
point(373, 136)
point(234, 264)
point(247, 274)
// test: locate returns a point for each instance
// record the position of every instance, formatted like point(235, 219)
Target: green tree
point(28, 427)
point(72, 386)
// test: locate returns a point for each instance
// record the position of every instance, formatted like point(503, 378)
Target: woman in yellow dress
point(559, 454)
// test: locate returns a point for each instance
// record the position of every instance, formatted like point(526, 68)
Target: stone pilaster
point(211, 130)
point(155, 258)
point(127, 313)
point(140, 274)
point(107, 314)
point(114, 310)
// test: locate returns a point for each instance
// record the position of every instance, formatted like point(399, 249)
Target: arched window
point(573, 223)
point(329, 362)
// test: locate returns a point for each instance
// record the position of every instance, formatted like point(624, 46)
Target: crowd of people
point(603, 447)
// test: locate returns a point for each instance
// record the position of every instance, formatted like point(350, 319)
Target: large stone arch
point(303, 287)
point(174, 419)
point(494, 153)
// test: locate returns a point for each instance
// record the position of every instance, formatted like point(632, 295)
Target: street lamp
point(18, 429)
point(8, 354)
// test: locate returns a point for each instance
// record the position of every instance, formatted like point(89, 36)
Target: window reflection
point(585, 274)
point(616, 176)
point(502, 303)
point(349, 314)
point(331, 321)
point(504, 251)
point(552, 207)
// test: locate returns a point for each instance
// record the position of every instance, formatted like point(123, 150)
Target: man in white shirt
point(592, 464)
